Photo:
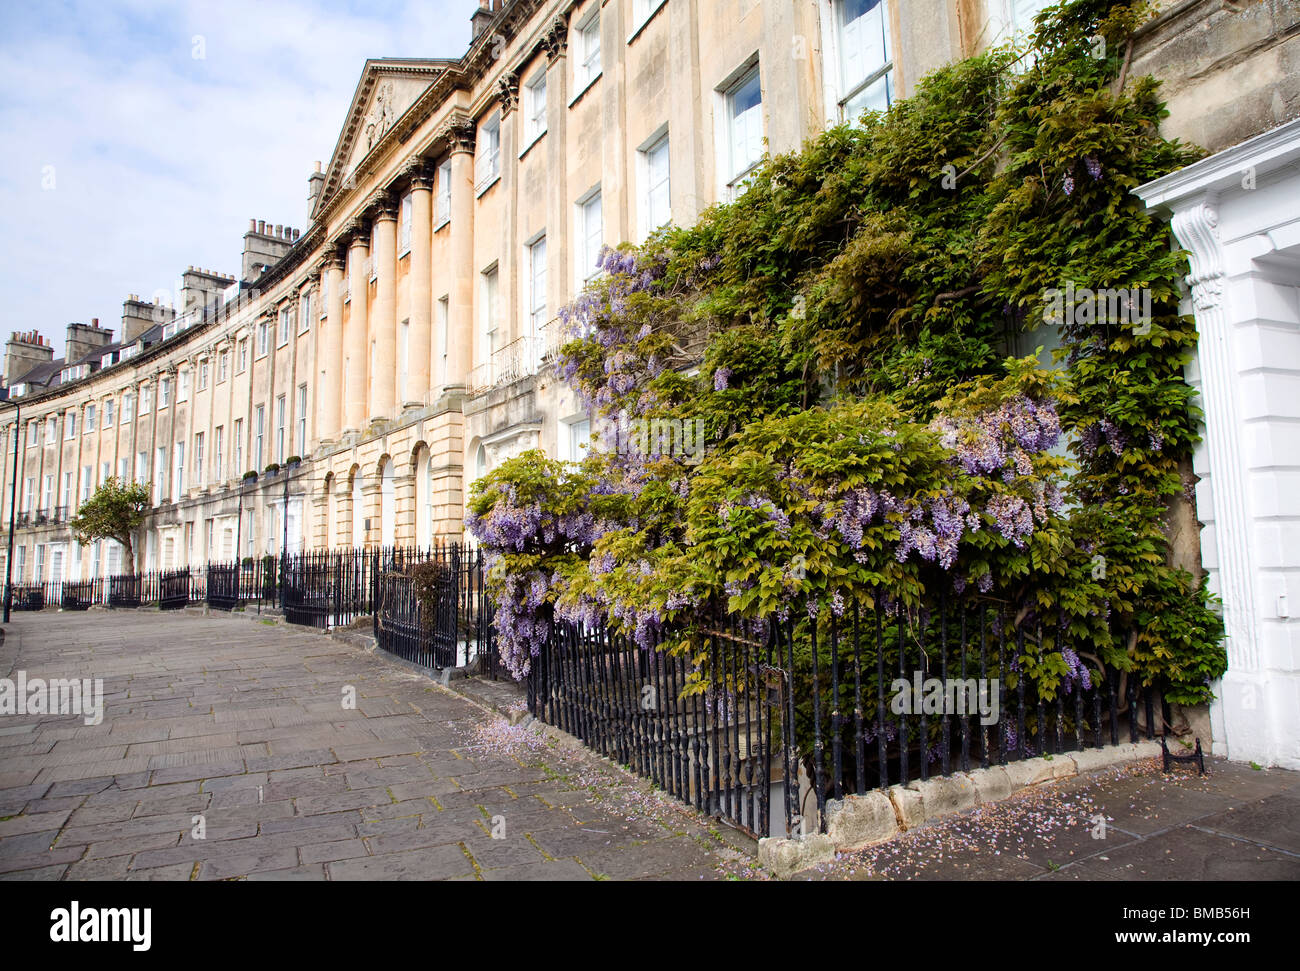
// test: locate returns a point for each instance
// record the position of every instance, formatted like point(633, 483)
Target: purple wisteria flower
point(720, 378)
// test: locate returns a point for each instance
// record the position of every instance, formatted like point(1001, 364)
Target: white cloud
point(158, 159)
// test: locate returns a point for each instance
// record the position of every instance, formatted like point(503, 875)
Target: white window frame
point(490, 321)
point(587, 67)
point(88, 423)
point(302, 420)
point(128, 408)
point(584, 256)
point(535, 281)
point(404, 220)
point(535, 97)
point(732, 170)
point(286, 326)
point(304, 312)
point(442, 321)
point(839, 91)
point(281, 427)
point(572, 438)
point(646, 217)
point(442, 208)
point(643, 12)
point(487, 157)
point(178, 460)
point(259, 437)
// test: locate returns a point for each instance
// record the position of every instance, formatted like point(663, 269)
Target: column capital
point(357, 232)
point(459, 134)
point(416, 174)
point(508, 87)
point(332, 260)
point(556, 38)
point(381, 206)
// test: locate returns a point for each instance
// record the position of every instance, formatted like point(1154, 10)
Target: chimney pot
point(261, 226)
point(252, 225)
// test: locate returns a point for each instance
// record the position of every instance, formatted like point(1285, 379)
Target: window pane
point(658, 206)
point(875, 97)
point(864, 40)
point(746, 124)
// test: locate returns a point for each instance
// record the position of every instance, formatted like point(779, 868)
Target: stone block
point(1093, 759)
point(857, 821)
point(1030, 772)
point(786, 857)
point(946, 794)
point(907, 806)
point(992, 784)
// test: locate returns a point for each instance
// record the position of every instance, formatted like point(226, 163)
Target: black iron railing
point(742, 715)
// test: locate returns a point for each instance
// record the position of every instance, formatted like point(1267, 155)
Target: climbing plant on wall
point(827, 391)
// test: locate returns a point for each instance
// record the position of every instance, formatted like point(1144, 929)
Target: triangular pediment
point(387, 90)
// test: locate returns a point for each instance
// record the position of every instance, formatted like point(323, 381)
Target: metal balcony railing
point(518, 359)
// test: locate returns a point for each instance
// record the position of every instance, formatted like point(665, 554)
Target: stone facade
point(399, 345)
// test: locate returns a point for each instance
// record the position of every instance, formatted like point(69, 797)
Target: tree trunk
point(130, 552)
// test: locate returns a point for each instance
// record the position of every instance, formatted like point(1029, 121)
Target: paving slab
point(243, 724)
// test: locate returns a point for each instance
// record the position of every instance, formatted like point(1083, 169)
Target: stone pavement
point(1129, 822)
point(244, 725)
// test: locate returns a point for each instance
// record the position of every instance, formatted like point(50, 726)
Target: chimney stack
point(82, 339)
point(480, 19)
point(264, 246)
point(24, 352)
point(315, 185)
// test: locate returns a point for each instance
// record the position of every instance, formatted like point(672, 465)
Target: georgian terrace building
point(399, 344)
point(400, 339)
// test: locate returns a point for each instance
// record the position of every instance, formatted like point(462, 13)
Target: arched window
point(331, 514)
point(358, 511)
point(423, 506)
point(387, 506)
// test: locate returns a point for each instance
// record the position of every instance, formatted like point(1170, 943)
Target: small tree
point(116, 511)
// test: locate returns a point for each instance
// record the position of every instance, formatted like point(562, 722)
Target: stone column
point(460, 138)
point(355, 350)
point(559, 272)
point(382, 338)
point(329, 402)
point(420, 351)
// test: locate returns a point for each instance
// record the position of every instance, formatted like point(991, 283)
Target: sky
point(140, 136)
